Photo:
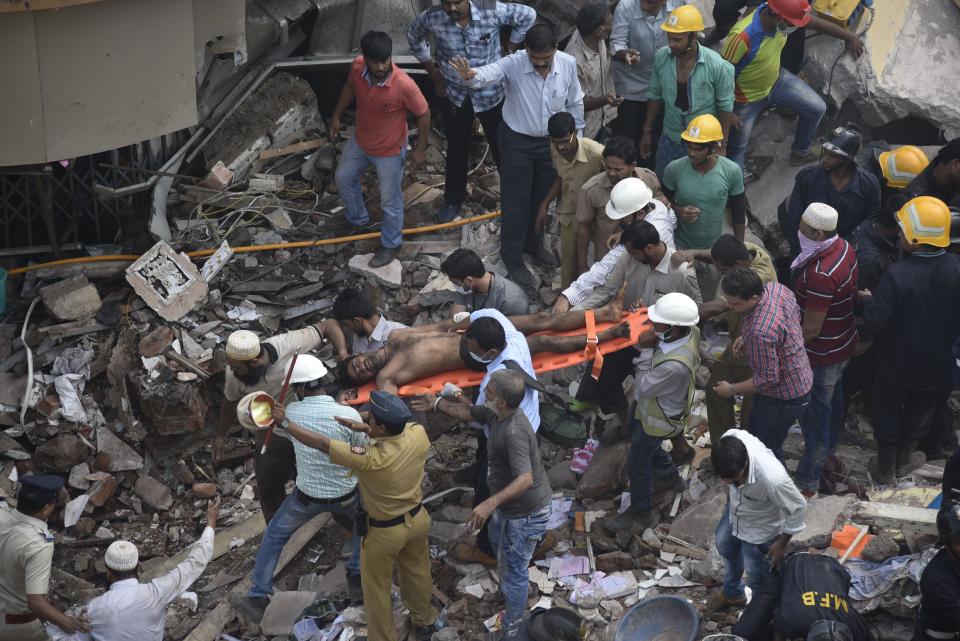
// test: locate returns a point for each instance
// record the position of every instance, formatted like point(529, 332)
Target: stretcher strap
point(590, 351)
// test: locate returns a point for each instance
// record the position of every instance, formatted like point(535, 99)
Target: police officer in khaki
point(389, 472)
point(26, 551)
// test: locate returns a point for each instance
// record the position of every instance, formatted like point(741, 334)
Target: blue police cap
point(387, 408)
point(42, 484)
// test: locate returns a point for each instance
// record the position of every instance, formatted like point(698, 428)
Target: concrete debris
point(61, 453)
point(71, 299)
point(121, 456)
point(153, 492)
point(284, 610)
point(167, 281)
point(606, 474)
point(390, 275)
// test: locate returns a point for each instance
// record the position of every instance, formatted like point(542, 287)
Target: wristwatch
point(733, 389)
point(284, 423)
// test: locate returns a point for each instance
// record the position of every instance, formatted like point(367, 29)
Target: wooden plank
point(73, 328)
point(210, 627)
point(896, 516)
point(306, 145)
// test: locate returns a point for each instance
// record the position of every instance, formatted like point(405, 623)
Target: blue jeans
point(788, 91)
point(293, 513)
point(515, 541)
point(737, 556)
point(353, 162)
point(821, 423)
point(645, 461)
point(771, 418)
point(668, 150)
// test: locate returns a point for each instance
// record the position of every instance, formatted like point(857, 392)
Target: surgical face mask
point(786, 29)
point(480, 359)
point(661, 335)
point(466, 291)
point(471, 360)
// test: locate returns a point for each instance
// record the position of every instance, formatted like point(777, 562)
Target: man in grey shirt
point(519, 505)
point(664, 388)
point(478, 288)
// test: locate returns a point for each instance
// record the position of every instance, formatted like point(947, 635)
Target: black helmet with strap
point(845, 141)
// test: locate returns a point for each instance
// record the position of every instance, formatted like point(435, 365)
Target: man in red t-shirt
point(384, 95)
point(825, 281)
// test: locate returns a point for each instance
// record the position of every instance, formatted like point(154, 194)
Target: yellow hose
point(202, 253)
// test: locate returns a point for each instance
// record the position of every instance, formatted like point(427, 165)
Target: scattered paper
point(624, 502)
point(14, 475)
point(493, 623)
point(675, 582)
point(558, 515)
point(617, 585)
point(191, 599)
point(544, 603)
point(668, 556)
point(674, 571)
point(541, 580)
point(660, 573)
point(474, 590)
point(568, 566)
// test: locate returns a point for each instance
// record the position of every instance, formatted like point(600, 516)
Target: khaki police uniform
point(26, 552)
point(278, 464)
point(389, 472)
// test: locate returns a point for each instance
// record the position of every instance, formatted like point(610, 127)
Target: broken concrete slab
point(122, 456)
point(102, 490)
point(390, 275)
point(896, 516)
point(562, 477)
point(78, 476)
point(284, 610)
point(60, 453)
point(71, 299)
point(606, 474)
point(167, 281)
point(696, 525)
point(824, 515)
point(154, 493)
point(170, 408)
point(445, 534)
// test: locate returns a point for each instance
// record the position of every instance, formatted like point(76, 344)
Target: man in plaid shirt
point(463, 29)
point(772, 339)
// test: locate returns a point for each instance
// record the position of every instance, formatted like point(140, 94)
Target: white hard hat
point(308, 368)
point(122, 556)
point(628, 196)
point(820, 216)
point(243, 345)
point(255, 410)
point(674, 309)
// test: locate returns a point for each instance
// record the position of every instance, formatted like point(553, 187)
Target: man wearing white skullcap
point(135, 611)
point(825, 281)
point(261, 366)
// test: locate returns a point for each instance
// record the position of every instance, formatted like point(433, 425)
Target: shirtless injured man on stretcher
point(418, 352)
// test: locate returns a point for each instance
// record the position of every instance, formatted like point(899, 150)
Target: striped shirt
point(828, 283)
point(773, 341)
point(317, 477)
point(478, 42)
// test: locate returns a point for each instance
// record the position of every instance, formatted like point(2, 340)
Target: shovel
point(158, 343)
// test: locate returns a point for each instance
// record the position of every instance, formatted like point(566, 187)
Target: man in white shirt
point(134, 611)
point(540, 82)
point(764, 510)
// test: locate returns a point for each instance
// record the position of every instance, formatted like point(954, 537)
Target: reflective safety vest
point(649, 413)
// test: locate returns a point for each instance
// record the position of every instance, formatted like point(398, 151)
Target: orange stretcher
point(542, 362)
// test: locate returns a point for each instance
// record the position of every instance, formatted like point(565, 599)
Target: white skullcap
point(122, 556)
point(821, 216)
point(243, 345)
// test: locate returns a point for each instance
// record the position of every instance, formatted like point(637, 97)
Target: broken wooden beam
point(306, 145)
point(896, 516)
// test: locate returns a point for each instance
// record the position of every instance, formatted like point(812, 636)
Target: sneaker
point(524, 278)
point(448, 212)
point(546, 544)
point(720, 601)
point(466, 553)
point(383, 256)
point(249, 607)
point(544, 257)
point(354, 586)
point(631, 521)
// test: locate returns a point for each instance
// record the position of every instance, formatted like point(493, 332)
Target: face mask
point(471, 360)
point(809, 248)
point(466, 291)
point(787, 29)
point(480, 359)
point(661, 335)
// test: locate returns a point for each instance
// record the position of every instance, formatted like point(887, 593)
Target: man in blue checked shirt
point(461, 28)
point(321, 485)
point(540, 82)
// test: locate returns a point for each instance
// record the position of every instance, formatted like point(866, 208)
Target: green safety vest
point(649, 413)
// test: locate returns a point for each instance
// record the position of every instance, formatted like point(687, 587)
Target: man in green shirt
point(700, 187)
point(754, 47)
point(687, 81)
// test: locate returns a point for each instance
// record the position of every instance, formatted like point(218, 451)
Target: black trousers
point(756, 622)
point(607, 390)
point(630, 117)
point(274, 468)
point(901, 417)
point(940, 434)
point(459, 127)
point(526, 174)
